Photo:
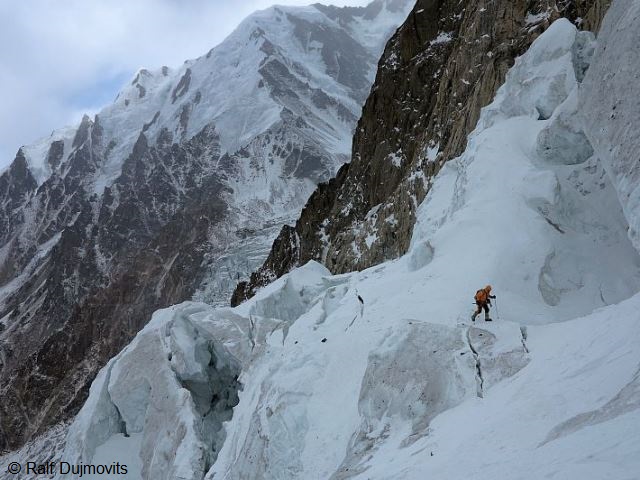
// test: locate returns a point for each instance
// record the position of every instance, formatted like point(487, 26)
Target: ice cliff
point(612, 111)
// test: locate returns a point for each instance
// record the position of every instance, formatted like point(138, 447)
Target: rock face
point(440, 68)
point(188, 176)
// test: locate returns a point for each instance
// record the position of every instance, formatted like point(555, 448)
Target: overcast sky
point(61, 58)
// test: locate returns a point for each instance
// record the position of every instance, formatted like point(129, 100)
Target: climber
point(483, 300)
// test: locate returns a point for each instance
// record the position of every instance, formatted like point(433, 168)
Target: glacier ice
point(164, 397)
point(611, 111)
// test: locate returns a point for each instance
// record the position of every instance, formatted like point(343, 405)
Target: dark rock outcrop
point(440, 68)
point(16, 187)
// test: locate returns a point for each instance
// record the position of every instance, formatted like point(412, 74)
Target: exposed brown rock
point(441, 67)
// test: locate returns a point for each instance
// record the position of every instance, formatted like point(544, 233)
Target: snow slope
point(380, 374)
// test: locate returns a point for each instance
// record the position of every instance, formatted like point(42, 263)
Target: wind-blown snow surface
point(401, 385)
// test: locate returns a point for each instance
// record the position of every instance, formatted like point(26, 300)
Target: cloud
point(61, 59)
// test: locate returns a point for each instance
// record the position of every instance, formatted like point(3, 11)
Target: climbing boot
point(487, 318)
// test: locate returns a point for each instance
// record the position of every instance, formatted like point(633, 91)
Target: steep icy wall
point(437, 71)
point(193, 383)
point(611, 114)
point(187, 176)
point(380, 374)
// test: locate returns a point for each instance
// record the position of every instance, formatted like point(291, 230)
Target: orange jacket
point(483, 295)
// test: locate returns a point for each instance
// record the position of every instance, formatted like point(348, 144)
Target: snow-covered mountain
point(186, 177)
point(380, 374)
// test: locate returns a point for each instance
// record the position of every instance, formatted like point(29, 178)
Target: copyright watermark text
point(66, 468)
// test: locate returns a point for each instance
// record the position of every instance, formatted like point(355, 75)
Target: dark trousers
point(481, 306)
